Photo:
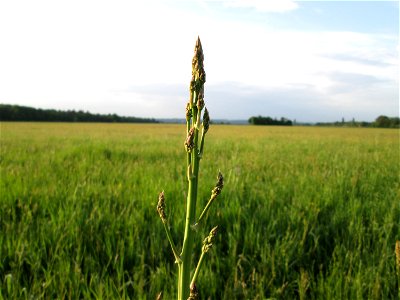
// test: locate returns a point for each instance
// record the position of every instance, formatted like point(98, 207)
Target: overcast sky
point(309, 61)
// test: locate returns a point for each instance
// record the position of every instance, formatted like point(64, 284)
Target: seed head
point(194, 293)
point(189, 142)
point(200, 101)
point(161, 207)
point(206, 120)
point(198, 57)
point(192, 83)
point(188, 111)
point(218, 187)
point(207, 242)
point(198, 74)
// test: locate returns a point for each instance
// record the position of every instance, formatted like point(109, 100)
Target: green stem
point(196, 272)
point(205, 211)
point(186, 255)
point(179, 281)
point(188, 154)
point(171, 241)
point(194, 146)
point(189, 234)
point(201, 143)
point(188, 126)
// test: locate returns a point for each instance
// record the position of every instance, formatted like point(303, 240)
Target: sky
point(313, 61)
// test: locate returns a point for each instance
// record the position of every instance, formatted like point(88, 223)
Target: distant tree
point(382, 122)
point(23, 113)
point(269, 121)
point(394, 122)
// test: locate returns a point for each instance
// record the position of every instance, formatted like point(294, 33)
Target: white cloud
point(263, 5)
point(88, 54)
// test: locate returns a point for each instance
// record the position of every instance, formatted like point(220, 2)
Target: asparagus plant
point(196, 129)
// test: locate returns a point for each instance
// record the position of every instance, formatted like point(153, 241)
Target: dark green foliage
point(386, 122)
point(380, 122)
point(308, 213)
point(270, 121)
point(24, 113)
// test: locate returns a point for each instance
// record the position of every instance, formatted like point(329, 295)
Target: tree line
point(25, 113)
point(270, 121)
point(380, 122)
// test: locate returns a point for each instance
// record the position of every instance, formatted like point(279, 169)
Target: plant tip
point(206, 120)
point(161, 206)
point(218, 186)
point(208, 241)
point(159, 296)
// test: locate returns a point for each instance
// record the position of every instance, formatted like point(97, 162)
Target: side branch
point(207, 245)
point(161, 212)
point(206, 125)
point(214, 194)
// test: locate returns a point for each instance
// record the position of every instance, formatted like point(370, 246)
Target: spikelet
point(189, 142)
point(208, 241)
point(188, 111)
point(198, 73)
point(206, 120)
point(161, 207)
point(218, 187)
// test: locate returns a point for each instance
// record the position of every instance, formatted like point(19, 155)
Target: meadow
point(306, 212)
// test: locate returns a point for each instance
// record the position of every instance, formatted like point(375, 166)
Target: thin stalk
point(206, 125)
point(204, 211)
point(189, 158)
point(179, 280)
point(171, 241)
point(189, 106)
point(201, 144)
point(163, 216)
point(214, 194)
point(196, 272)
point(207, 245)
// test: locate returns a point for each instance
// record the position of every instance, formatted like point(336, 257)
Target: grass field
point(308, 213)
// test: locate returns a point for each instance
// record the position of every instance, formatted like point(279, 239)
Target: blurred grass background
point(306, 212)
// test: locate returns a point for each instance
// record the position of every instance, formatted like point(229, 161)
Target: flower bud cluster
point(206, 120)
point(218, 187)
point(208, 241)
point(161, 207)
point(189, 142)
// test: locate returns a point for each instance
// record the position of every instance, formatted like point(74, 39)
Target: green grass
point(308, 213)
